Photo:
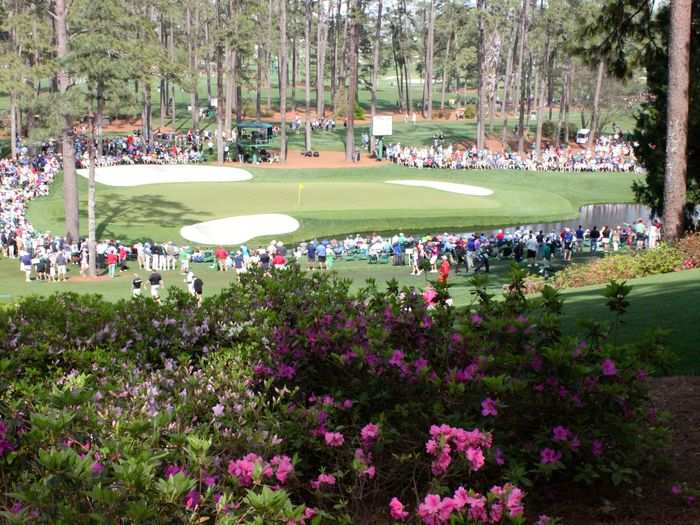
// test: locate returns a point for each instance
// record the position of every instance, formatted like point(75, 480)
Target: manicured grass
point(336, 202)
point(668, 301)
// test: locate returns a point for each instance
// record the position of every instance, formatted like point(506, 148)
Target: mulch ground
point(651, 503)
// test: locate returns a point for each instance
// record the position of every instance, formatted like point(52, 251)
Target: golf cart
point(582, 136)
point(252, 141)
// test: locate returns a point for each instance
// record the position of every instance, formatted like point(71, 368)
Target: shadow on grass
point(141, 209)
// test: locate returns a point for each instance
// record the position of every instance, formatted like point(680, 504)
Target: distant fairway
point(336, 202)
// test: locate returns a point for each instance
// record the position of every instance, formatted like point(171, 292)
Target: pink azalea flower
point(192, 499)
point(285, 467)
point(323, 479)
point(561, 433)
point(396, 358)
point(334, 439)
point(475, 456)
point(514, 503)
point(597, 448)
point(429, 295)
point(489, 407)
point(548, 456)
point(397, 511)
point(609, 368)
point(499, 458)
point(434, 510)
point(369, 434)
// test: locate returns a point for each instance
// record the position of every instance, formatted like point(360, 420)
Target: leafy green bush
point(665, 258)
point(470, 111)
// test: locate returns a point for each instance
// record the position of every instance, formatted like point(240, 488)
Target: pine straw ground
point(651, 503)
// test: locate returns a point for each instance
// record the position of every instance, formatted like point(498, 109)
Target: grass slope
point(336, 202)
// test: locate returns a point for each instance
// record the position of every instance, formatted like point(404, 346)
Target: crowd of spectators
point(48, 256)
point(164, 148)
point(609, 154)
point(22, 180)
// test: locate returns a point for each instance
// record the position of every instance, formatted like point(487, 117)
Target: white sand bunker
point(464, 189)
point(237, 230)
point(142, 174)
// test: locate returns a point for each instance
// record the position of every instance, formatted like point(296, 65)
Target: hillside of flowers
point(289, 399)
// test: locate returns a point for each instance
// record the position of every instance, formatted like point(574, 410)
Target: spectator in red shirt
point(444, 270)
point(279, 262)
point(221, 255)
point(112, 260)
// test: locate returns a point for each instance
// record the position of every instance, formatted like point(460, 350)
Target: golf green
point(338, 202)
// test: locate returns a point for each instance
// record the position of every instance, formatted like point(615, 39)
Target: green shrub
point(663, 259)
point(470, 111)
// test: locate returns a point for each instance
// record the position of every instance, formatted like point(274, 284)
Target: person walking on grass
point(221, 254)
point(580, 233)
point(321, 256)
point(595, 237)
point(112, 259)
point(198, 287)
point(155, 280)
point(136, 286)
point(615, 238)
point(444, 270)
point(61, 266)
point(568, 239)
point(25, 265)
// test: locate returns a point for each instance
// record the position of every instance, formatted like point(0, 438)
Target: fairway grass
point(338, 202)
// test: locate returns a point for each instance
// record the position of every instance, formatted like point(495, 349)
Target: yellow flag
point(301, 185)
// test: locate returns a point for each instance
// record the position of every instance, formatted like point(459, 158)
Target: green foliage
point(470, 111)
point(665, 258)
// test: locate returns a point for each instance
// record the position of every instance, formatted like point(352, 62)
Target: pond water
point(596, 215)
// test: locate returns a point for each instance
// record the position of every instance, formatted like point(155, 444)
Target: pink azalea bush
point(293, 399)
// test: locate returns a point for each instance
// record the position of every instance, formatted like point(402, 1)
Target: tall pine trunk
point(92, 201)
point(429, 57)
point(375, 67)
point(352, 87)
point(283, 80)
point(307, 77)
point(13, 124)
point(595, 117)
point(70, 184)
point(445, 69)
point(192, 56)
point(258, 82)
point(522, 88)
point(230, 89)
point(540, 112)
point(562, 104)
point(677, 119)
point(480, 127)
point(507, 80)
point(321, 44)
point(220, 95)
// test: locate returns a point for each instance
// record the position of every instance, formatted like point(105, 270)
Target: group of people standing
point(608, 155)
